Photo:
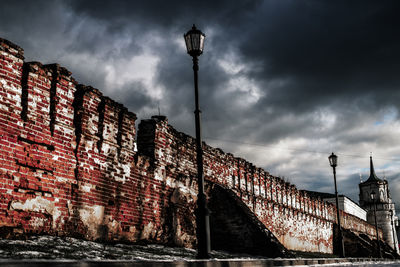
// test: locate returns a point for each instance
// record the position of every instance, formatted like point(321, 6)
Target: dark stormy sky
point(283, 83)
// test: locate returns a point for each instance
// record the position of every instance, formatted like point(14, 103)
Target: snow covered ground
point(51, 247)
point(369, 264)
point(68, 248)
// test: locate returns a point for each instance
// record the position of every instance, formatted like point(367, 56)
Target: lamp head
point(373, 194)
point(333, 160)
point(194, 40)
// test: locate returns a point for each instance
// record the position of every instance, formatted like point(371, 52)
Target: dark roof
point(372, 175)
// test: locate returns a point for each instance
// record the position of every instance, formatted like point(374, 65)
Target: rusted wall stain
point(68, 166)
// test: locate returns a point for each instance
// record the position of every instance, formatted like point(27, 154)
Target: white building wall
point(349, 206)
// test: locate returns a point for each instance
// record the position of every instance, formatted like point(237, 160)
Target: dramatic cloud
point(282, 83)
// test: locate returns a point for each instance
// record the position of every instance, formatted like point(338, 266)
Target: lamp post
point(394, 236)
point(333, 161)
point(194, 40)
point(373, 194)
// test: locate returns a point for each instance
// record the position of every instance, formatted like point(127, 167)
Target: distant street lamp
point(194, 40)
point(333, 161)
point(394, 235)
point(373, 195)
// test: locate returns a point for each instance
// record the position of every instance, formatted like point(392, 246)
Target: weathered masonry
point(68, 167)
point(384, 206)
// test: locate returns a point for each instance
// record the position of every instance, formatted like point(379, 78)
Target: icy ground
point(356, 264)
point(51, 247)
point(68, 248)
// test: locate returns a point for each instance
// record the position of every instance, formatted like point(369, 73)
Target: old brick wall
point(298, 221)
point(68, 167)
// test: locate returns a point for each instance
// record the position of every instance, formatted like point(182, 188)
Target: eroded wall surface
point(297, 220)
point(68, 167)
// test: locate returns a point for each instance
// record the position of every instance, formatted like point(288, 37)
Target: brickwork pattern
point(299, 221)
point(68, 166)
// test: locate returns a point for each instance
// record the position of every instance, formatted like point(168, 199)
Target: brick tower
point(385, 210)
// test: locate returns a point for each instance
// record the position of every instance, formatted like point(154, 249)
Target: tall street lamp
point(373, 197)
point(194, 40)
point(333, 161)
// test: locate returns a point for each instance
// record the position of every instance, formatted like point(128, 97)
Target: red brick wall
point(68, 167)
point(68, 164)
point(299, 221)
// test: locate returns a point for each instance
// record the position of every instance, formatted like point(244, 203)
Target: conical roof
point(372, 175)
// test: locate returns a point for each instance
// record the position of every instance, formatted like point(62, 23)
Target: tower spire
point(372, 175)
